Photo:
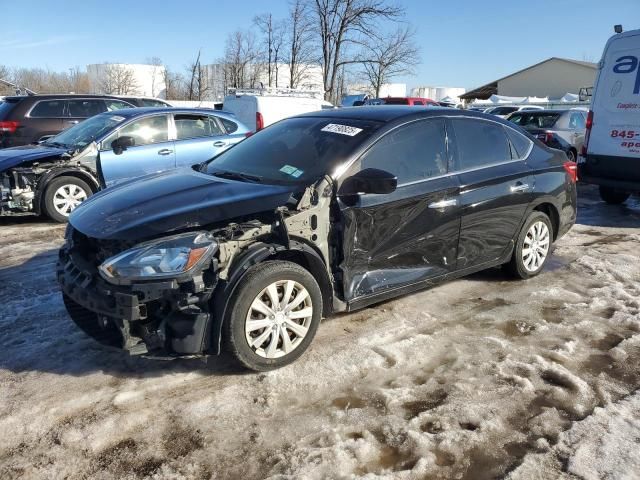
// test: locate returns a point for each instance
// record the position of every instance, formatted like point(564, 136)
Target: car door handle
point(219, 143)
point(165, 151)
point(451, 202)
point(519, 187)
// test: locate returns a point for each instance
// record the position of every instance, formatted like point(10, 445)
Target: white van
point(611, 152)
point(259, 108)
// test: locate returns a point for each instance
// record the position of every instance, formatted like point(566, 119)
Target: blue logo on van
point(629, 64)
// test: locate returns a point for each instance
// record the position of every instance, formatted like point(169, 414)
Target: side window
point(194, 126)
point(48, 109)
point(115, 105)
point(479, 143)
point(520, 144)
point(229, 126)
point(85, 108)
point(146, 131)
point(577, 121)
point(147, 102)
point(412, 152)
point(418, 102)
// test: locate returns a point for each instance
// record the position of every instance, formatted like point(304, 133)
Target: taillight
point(587, 133)
point(9, 127)
point(259, 121)
point(572, 170)
point(548, 136)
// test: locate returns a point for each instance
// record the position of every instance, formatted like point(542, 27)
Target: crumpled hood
point(172, 200)
point(12, 157)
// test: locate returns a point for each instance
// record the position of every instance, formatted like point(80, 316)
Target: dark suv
point(31, 118)
point(325, 212)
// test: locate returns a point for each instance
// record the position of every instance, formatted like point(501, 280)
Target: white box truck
point(611, 152)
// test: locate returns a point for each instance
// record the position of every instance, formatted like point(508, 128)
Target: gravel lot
point(480, 378)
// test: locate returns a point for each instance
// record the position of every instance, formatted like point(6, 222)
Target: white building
point(311, 78)
point(127, 79)
point(438, 93)
point(386, 90)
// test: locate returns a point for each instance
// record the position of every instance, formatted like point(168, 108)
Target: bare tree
point(156, 72)
point(241, 67)
point(197, 81)
point(343, 24)
point(117, 79)
point(301, 51)
point(392, 55)
point(174, 85)
point(5, 72)
point(273, 40)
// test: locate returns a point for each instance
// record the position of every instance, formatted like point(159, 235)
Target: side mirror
point(120, 144)
point(369, 180)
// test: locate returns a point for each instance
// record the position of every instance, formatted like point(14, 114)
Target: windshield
point(294, 150)
point(535, 120)
point(82, 134)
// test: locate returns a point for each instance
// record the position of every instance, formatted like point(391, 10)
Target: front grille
point(95, 251)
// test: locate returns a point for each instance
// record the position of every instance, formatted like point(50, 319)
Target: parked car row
point(28, 119)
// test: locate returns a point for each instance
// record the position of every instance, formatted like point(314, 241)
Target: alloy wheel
point(67, 197)
point(536, 246)
point(278, 319)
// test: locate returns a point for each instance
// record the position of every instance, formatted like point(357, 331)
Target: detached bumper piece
point(160, 319)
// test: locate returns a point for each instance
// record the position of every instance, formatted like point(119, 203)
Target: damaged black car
point(326, 212)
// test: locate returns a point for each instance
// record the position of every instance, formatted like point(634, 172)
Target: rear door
point(199, 137)
point(495, 189)
point(411, 235)
point(152, 152)
point(44, 119)
point(80, 109)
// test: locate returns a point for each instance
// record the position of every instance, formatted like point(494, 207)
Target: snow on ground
point(480, 378)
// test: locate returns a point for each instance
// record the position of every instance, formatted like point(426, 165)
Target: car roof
point(47, 96)
point(390, 113)
point(138, 111)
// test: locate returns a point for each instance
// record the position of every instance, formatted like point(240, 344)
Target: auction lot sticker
point(341, 129)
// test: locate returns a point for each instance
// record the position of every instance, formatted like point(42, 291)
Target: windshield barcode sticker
point(342, 129)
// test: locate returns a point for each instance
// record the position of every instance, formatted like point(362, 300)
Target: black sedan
point(325, 212)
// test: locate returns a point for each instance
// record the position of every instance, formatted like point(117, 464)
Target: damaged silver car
point(326, 212)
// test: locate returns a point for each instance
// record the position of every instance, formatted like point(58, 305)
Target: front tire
point(613, 196)
point(533, 246)
point(63, 195)
point(273, 315)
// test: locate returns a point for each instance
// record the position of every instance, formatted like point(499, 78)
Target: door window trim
point(342, 170)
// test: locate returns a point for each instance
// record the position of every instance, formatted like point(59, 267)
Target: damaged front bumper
point(164, 318)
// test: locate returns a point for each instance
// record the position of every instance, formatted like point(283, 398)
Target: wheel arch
point(54, 173)
point(551, 211)
point(299, 252)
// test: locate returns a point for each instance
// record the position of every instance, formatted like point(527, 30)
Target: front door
point(495, 189)
point(152, 150)
point(409, 236)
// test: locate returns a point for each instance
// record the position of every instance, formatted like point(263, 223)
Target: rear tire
point(263, 334)
point(63, 195)
point(613, 196)
point(533, 247)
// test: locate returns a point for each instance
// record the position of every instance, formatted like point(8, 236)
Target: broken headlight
point(163, 258)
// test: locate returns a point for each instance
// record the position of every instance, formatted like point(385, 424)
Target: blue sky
point(464, 43)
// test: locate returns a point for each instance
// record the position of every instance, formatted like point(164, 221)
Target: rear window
point(146, 102)
point(534, 119)
point(396, 101)
point(520, 143)
point(5, 108)
point(48, 109)
point(503, 110)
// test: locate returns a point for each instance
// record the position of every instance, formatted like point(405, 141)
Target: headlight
point(163, 258)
